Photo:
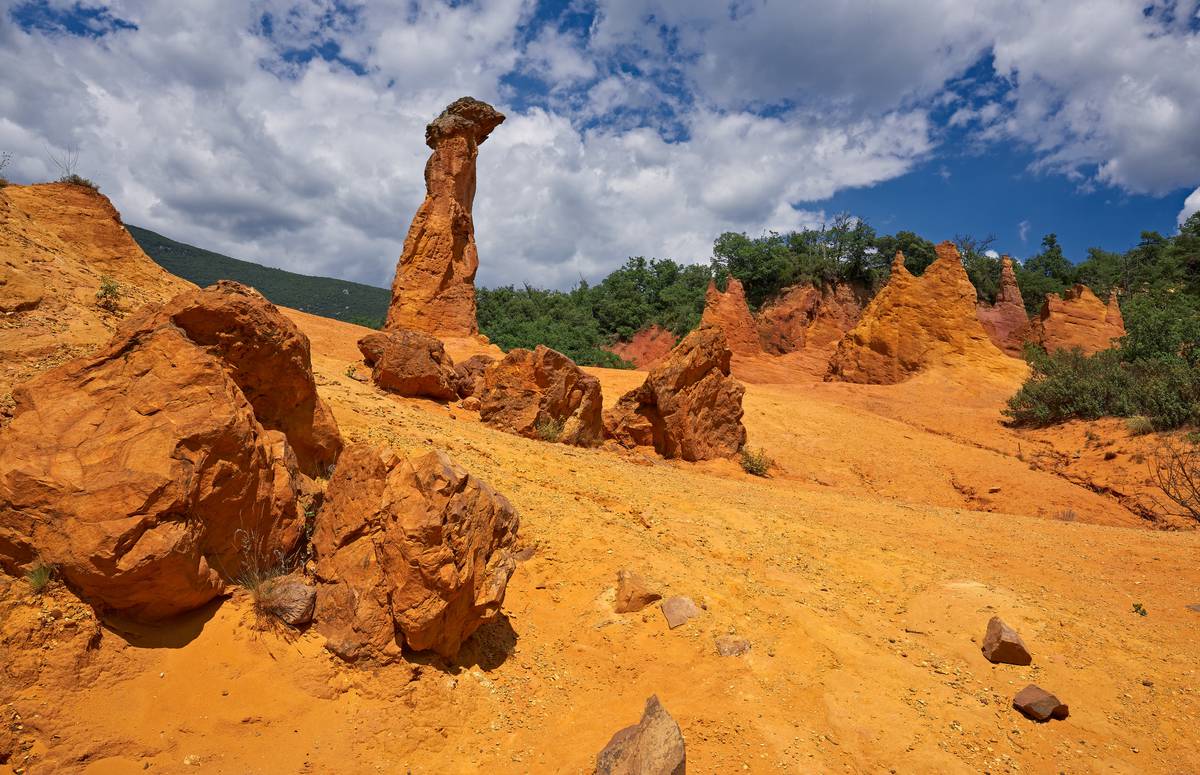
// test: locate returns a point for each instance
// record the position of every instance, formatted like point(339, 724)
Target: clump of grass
point(262, 574)
point(1066, 515)
point(549, 429)
point(756, 463)
point(1139, 425)
point(1140, 609)
point(79, 180)
point(39, 577)
point(351, 371)
point(109, 295)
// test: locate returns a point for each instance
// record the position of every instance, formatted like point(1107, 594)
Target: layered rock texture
point(916, 323)
point(57, 243)
point(1006, 322)
point(410, 363)
point(158, 469)
point(1078, 319)
point(730, 313)
point(412, 552)
point(689, 407)
point(647, 348)
point(541, 393)
point(804, 316)
point(434, 288)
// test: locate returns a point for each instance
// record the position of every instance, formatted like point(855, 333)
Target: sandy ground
point(898, 520)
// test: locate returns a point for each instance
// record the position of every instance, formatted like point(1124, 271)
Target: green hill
point(325, 296)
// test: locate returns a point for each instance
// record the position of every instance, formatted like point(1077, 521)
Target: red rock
point(1078, 319)
point(916, 323)
point(143, 472)
point(1039, 704)
point(653, 746)
point(1001, 643)
point(633, 593)
point(730, 312)
point(410, 363)
point(689, 407)
point(732, 646)
point(414, 552)
point(1006, 322)
point(647, 348)
point(434, 288)
point(470, 375)
point(678, 610)
point(531, 388)
point(803, 316)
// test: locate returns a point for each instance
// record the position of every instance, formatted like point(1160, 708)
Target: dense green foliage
point(325, 296)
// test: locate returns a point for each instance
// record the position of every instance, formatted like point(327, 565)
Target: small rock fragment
point(653, 746)
point(1039, 704)
point(732, 646)
point(633, 593)
point(1001, 643)
point(678, 610)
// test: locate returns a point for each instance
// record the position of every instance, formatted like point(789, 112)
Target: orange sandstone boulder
point(647, 348)
point(1006, 322)
point(434, 287)
point(804, 316)
point(470, 374)
point(154, 471)
point(412, 552)
point(689, 407)
point(915, 323)
point(653, 746)
point(532, 389)
point(1078, 319)
point(730, 312)
point(410, 363)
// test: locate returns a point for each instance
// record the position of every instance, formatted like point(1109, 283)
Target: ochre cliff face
point(434, 288)
point(647, 348)
point(1078, 319)
point(804, 316)
point(730, 313)
point(916, 323)
point(1006, 322)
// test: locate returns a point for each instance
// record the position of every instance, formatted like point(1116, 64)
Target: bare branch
point(1175, 468)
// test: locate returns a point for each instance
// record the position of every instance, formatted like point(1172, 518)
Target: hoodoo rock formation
point(154, 471)
point(730, 312)
point(689, 407)
point(647, 348)
point(434, 288)
point(1006, 322)
point(915, 323)
point(1078, 319)
point(534, 392)
point(805, 316)
point(408, 552)
point(410, 363)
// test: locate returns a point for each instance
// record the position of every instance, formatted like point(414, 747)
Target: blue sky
point(290, 132)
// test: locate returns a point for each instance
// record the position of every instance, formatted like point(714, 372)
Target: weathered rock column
point(434, 289)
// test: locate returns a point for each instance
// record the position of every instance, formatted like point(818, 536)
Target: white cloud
point(1191, 205)
point(1023, 230)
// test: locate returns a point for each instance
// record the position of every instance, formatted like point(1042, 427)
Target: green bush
point(756, 463)
point(77, 180)
point(109, 295)
point(549, 428)
point(39, 577)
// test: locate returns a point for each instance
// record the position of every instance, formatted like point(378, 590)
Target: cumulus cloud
point(291, 131)
point(1191, 205)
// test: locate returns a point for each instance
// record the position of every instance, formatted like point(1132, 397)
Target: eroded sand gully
point(863, 573)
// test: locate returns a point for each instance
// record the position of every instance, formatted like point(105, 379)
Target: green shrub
point(1139, 425)
point(549, 429)
point(109, 295)
point(77, 180)
point(756, 463)
point(39, 577)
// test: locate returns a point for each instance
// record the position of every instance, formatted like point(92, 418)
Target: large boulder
point(1006, 322)
point(434, 287)
point(689, 407)
point(646, 348)
point(804, 316)
point(530, 391)
point(653, 746)
point(155, 471)
point(917, 323)
point(1078, 319)
point(730, 312)
point(410, 363)
point(408, 552)
point(470, 375)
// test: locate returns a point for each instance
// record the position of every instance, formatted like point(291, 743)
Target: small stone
point(1001, 643)
point(678, 610)
point(732, 646)
point(1039, 704)
point(525, 554)
point(653, 746)
point(633, 593)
